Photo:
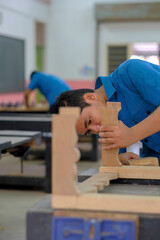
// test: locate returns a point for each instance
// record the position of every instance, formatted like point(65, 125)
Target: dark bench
point(43, 123)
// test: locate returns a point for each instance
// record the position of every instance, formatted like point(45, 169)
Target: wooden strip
point(147, 161)
point(109, 202)
point(141, 172)
point(110, 116)
point(64, 153)
point(96, 182)
point(4, 143)
point(86, 188)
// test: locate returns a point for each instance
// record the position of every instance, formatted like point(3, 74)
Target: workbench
point(40, 219)
point(12, 139)
point(17, 143)
point(27, 122)
point(100, 207)
point(40, 122)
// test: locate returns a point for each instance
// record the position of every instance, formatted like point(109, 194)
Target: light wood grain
point(96, 183)
point(110, 116)
point(147, 161)
point(109, 202)
point(64, 152)
point(139, 172)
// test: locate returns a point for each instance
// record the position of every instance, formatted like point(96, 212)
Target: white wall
point(72, 33)
point(18, 20)
point(123, 33)
point(72, 36)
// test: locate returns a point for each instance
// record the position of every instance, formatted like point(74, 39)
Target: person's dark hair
point(71, 98)
point(32, 73)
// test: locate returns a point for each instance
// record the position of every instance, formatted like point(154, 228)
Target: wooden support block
point(110, 116)
point(147, 161)
point(96, 183)
point(138, 172)
point(86, 188)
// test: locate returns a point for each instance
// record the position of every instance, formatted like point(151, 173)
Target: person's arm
point(27, 93)
point(120, 136)
point(144, 78)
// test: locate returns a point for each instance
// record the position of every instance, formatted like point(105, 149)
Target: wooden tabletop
point(40, 107)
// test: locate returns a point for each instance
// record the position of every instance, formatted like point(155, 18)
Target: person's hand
point(116, 136)
point(124, 157)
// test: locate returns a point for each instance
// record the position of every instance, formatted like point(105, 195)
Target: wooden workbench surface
point(22, 108)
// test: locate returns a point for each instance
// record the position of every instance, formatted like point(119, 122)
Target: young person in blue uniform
point(49, 85)
point(136, 84)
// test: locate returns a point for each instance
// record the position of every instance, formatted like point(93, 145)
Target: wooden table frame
point(67, 195)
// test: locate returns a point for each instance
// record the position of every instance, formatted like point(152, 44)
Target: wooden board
point(110, 116)
point(97, 182)
point(140, 172)
point(64, 152)
point(147, 161)
point(109, 202)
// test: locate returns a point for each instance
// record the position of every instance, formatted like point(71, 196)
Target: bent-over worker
point(50, 86)
point(136, 84)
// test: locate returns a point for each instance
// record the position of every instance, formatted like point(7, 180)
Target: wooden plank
point(137, 172)
point(110, 116)
point(87, 188)
point(147, 161)
point(109, 202)
point(96, 183)
point(64, 152)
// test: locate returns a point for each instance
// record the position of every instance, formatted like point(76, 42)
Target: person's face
point(90, 119)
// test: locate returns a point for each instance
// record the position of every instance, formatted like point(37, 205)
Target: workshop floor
point(14, 204)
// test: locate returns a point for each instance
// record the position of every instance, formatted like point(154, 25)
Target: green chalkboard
point(12, 69)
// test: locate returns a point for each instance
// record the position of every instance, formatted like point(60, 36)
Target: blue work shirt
point(136, 84)
point(50, 86)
